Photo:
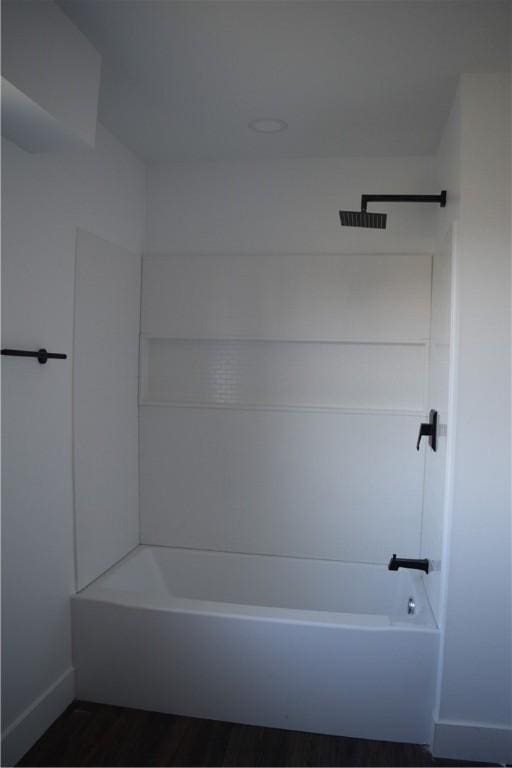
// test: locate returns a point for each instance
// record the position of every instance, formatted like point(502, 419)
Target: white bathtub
point(310, 645)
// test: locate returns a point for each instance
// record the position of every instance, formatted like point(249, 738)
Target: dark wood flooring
point(100, 735)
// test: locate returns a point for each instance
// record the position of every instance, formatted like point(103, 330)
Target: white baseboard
point(33, 722)
point(479, 742)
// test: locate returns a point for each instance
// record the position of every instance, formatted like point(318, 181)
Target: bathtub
point(308, 645)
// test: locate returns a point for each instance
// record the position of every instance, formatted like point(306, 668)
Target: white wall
point(45, 198)
point(321, 362)
point(50, 78)
point(440, 386)
point(286, 206)
point(474, 697)
point(105, 415)
point(226, 301)
point(360, 298)
point(284, 482)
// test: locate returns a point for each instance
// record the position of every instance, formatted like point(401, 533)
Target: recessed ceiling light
point(268, 125)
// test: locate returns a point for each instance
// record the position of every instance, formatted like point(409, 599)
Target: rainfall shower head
point(379, 220)
point(363, 219)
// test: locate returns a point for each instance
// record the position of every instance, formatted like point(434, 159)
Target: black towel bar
point(42, 355)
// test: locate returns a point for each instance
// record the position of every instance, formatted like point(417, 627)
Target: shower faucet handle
point(425, 431)
point(429, 430)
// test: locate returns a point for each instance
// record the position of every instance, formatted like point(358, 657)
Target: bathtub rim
point(159, 601)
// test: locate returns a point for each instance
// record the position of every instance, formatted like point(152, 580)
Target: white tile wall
point(292, 297)
point(105, 386)
point(313, 371)
point(332, 485)
point(434, 502)
point(270, 373)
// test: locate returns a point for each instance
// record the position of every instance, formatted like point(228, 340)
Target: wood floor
point(99, 735)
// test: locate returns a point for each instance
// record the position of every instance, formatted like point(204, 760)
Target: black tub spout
point(402, 562)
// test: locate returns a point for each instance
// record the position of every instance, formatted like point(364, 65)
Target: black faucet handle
point(429, 430)
point(425, 431)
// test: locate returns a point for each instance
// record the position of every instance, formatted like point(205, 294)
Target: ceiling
point(182, 80)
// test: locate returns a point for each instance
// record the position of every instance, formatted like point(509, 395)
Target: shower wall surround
point(283, 359)
point(105, 387)
point(280, 400)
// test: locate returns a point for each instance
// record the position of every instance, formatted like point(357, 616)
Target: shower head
point(378, 220)
point(363, 219)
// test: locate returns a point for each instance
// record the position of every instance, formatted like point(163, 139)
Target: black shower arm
point(441, 199)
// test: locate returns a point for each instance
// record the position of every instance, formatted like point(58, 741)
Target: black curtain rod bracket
point(42, 355)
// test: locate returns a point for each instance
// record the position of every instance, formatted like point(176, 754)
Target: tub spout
point(401, 562)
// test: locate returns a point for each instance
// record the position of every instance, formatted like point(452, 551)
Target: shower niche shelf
point(283, 374)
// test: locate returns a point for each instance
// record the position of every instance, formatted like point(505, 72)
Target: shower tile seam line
point(414, 342)
point(426, 395)
point(284, 408)
point(140, 384)
point(259, 554)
